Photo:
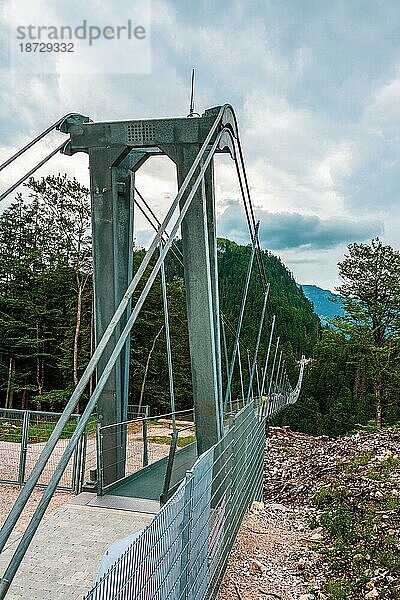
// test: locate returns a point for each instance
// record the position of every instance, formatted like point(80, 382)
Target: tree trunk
point(25, 399)
point(40, 379)
point(379, 398)
point(146, 370)
point(10, 381)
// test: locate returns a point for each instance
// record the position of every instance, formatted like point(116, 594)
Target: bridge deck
point(148, 482)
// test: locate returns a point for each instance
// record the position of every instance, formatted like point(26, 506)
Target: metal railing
point(23, 435)
point(183, 552)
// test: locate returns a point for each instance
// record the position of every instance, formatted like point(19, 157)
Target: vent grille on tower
point(139, 133)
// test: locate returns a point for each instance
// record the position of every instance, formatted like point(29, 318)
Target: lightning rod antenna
point(192, 112)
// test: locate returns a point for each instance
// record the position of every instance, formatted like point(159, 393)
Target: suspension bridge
point(196, 494)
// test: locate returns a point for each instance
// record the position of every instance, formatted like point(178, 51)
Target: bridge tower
point(116, 151)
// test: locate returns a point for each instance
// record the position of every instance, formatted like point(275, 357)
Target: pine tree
point(371, 292)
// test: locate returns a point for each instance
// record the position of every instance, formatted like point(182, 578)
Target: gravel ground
point(277, 555)
point(9, 493)
point(272, 557)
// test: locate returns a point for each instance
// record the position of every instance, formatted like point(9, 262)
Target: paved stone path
point(64, 556)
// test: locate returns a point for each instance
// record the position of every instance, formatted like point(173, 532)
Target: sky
point(315, 85)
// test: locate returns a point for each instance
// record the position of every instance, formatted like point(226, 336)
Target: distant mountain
point(326, 304)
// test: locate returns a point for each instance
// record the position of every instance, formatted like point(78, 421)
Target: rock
point(369, 585)
point(301, 564)
point(372, 594)
point(256, 566)
point(257, 507)
point(317, 537)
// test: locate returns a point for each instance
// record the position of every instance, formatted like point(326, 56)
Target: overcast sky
point(316, 86)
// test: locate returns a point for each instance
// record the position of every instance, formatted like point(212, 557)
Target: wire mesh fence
point(23, 435)
point(11, 428)
point(183, 552)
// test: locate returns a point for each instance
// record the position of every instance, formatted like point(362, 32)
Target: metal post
point(273, 367)
point(201, 304)
point(249, 368)
point(282, 374)
point(83, 460)
point(100, 455)
point(258, 342)
point(278, 371)
point(186, 529)
point(268, 352)
point(145, 443)
point(24, 447)
point(258, 380)
point(170, 464)
point(226, 363)
point(168, 342)
point(240, 321)
point(240, 370)
point(211, 219)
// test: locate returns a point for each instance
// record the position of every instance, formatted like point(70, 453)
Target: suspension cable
point(32, 171)
point(35, 140)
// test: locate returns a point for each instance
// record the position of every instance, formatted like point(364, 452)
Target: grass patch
point(38, 432)
point(166, 439)
point(339, 589)
point(361, 542)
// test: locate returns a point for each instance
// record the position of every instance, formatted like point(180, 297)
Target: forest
point(46, 322)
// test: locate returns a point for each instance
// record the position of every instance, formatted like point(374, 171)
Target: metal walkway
point(148, 482)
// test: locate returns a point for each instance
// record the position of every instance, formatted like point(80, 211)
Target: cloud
point(315, 86)
point(280, 231)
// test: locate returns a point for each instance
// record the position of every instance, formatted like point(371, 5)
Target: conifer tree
point(371, 292)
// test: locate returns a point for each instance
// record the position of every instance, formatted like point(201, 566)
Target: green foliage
point(338, 589)
point(44, 255)
point(359, 542)
point(182, 442)
point(371, 291)
point(45, 279)
point(39, 431)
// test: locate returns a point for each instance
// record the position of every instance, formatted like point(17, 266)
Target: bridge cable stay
point(268, 353)
point(57, 125)
point(230, 327)
point(168, 341)
point(215, 137)
point(260, 328)
point(240, 321)
point(175, 249)
point(228, 393)
point(36, 139)
point(178, 255)
point(229, 369)
point(31, 171)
